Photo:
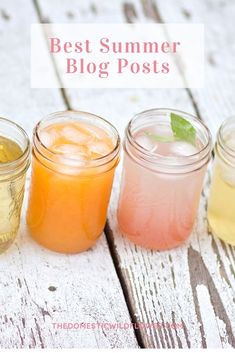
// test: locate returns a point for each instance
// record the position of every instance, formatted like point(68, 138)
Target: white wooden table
point(116, 282)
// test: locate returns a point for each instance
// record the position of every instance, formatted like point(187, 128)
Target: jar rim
point(222, 147)
point(220, 136)
point(166, 161)
point(25, 153)
point(43, 150)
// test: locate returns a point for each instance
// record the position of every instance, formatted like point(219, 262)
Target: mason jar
point(161, 181)
point(14, 162)
point(69, 194)
point(221, 204)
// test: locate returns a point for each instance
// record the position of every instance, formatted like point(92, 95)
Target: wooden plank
point(192, 286)
point(215, 103)
point(216, 100)
point(39, 288)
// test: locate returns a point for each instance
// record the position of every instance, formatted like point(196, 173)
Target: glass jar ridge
point(165, 164)
point(224, 150)
point(69, 192)
point(162, 179)
point(20, 165)
point(53, 161)
point(15, 148)
point(221, 202)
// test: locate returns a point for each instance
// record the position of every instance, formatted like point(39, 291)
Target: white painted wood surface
point(193, 285)
point(39, 287)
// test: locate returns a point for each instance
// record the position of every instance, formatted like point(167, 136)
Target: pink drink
point(161, 183)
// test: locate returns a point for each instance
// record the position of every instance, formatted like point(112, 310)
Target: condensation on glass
point(14, 162)
point(160, 191)
point(70, 191)
point(221, 204)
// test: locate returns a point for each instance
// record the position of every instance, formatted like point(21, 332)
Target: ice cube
point(76, 135)
point(182, 148)
point(229, 178)
point(71, 151)
point(231, 141)
point(95, 131)
point(48, 138)
point(227, 173)
point(99, 147)
point(146, 142)
point(72, 166)
point(162, 130)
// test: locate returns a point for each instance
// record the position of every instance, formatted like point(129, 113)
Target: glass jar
point(221, 204)
point(69, 197)
point(12, 179)
point(160, 193)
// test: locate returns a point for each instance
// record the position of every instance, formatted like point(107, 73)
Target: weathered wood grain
point(215, 103)
point(192, 285)
point(216, 100)
point(39, 287)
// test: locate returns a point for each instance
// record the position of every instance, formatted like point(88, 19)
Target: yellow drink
point(221, 206)
point(14, 161)
point(11, 195)
point(9, 150)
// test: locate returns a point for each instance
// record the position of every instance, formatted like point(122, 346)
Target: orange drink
point(74, 159)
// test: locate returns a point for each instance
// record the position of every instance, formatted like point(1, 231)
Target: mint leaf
point(182, 129)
